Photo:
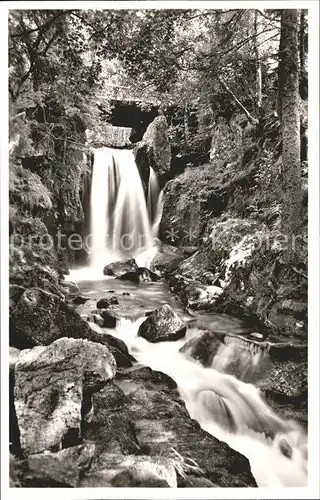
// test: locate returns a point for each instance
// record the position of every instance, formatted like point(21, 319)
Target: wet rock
point(120, 267)
point(61, 469)
point(162, 324)
point(153, 421)
point(140, 275)
point(106, 302)
point(80, 300)
point(147, 378)
point(110, 317)
point(52, 384)
point(117, 347)
point(40, 317)
point(97, 319)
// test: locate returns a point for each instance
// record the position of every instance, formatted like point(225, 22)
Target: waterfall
point(155, 202)
point(121, 224)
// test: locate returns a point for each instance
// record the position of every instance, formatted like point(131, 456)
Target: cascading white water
point(231, 410)
point(122, 223)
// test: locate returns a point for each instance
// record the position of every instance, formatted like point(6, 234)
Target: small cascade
point(244, 359)
point(123, 225)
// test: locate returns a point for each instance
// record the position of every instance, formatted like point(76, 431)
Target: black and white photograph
point(160, 242)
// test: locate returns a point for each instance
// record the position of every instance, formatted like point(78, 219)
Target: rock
point(167, 259)
point(141, 274)
point(80, 300)
point(153, 421)
point(15, 293)
point(245, 359)
point(131, 471)
point(39, 276)
point(40, 317)
point(286, 383)
point(199, 296)
point(89, 306)
point(106, 302)
point(16, 472)
point(147, 378)
point(154, 150)
point(120, 267)
point(119, 350)
point(61, 469)
point(70, 288)
point(162, 324)
point(197, 482)
point(146, 472)
point(126, 294)
point(110, 317)
point(97, 319)
point(52, 386)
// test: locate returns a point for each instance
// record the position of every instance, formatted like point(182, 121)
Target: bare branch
point(252, 120)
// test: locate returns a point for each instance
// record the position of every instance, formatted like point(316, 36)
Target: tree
point(290, 121)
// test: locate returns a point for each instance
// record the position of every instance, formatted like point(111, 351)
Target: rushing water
point(227, 408)
point(124, 223)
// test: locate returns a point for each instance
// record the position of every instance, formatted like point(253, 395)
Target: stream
point(270, 467)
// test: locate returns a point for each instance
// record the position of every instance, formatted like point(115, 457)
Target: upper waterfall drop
point(121, 225)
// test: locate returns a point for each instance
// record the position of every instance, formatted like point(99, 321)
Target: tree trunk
point(303, 86)
point(290, 121)
point(258, 66)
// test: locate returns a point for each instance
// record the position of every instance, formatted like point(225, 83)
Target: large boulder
point(162, 324)
point(154, 150)
point(120, 267)
point(152, 420)
point(41, 317)
point(52, 387)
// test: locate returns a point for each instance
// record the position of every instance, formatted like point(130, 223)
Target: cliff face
point(229, 209)
point(45, 192)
